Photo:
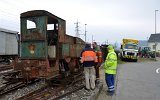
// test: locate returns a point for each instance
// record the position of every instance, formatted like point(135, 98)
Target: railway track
point(10, 87)
point(5, 67)
point(56, 91)
point(52, 93)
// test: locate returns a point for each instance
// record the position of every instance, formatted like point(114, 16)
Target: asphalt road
point(138, 81)
point(103, 94)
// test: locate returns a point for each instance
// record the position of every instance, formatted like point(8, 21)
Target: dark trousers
point(110, 81)
point(97, 65)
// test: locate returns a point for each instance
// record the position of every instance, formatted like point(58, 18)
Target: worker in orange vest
point(97, 49)
point(88, 60)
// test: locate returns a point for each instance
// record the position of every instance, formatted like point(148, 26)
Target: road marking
point(157, 70)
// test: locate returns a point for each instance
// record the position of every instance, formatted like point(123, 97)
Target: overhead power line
point(77, 29)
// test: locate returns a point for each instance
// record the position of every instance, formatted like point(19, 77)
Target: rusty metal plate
point(32, 68)
point(73, 50)
point(33, 50)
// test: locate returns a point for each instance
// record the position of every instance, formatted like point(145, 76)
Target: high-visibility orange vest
point(89, 56)
point(99, 56)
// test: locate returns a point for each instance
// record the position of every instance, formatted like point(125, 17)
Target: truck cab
point(129, 50)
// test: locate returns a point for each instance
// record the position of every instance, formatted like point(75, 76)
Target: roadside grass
point(119, 61)
point(145, 59)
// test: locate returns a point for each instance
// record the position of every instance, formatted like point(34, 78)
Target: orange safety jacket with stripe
point(99, 56)
point(98, 53)
point(88, 57)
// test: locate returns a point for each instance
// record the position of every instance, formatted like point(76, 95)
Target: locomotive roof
point(34, 13)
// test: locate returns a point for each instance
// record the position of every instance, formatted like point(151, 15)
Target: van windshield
point(131, 46)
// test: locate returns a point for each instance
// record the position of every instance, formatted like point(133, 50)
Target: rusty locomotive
point(46, 51)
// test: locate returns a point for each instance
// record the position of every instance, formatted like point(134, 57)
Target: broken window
point(50, 26)
point(31, 24)
point(52, 34)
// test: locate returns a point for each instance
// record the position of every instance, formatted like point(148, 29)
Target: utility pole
point(85, 33)
point(92, 38)
point(77, 29)
point(155, 21)
point(155, 33)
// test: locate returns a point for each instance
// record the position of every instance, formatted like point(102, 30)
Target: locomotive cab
point(40, 33)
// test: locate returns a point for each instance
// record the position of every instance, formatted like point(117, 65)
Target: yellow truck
point(129, 49)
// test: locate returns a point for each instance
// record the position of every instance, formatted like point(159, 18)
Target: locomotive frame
point(46, 53)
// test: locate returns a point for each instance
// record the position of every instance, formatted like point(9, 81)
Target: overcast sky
point(107, 20)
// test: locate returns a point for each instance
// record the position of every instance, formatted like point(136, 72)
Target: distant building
point(154, 39)
point(143, 43)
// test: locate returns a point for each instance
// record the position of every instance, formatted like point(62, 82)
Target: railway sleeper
point(64, 79)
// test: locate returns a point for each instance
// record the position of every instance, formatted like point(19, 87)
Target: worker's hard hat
point(110, 46)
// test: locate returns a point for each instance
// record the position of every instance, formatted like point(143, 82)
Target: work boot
point(87, 89)
point(110, 93)
point(92, 89)
point(97, 81)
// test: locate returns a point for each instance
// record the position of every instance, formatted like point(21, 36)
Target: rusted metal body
point(45, 52)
